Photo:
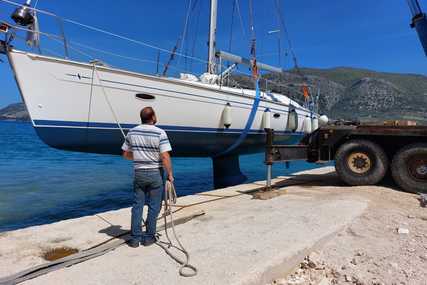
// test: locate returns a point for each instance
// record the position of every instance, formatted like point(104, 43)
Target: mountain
point(14, 112)
point(355, 94)
point(345, 93)
point(366, 95)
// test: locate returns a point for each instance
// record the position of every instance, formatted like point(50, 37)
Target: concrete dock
point(238, 239)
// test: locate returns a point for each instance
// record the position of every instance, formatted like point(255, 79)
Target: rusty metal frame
point(321, 144)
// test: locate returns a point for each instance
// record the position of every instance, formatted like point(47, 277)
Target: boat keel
point(226, 171)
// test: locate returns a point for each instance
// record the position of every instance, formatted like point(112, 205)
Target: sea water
point(39, 184)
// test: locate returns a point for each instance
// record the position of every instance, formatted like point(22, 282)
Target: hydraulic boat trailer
point(363, 153)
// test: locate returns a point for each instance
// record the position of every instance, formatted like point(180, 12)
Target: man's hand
point(170, 178)
point(128, 155)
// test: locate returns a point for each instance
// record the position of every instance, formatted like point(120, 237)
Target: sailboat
point(89, 106)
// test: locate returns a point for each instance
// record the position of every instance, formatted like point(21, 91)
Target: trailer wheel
point(409, 168)
point(361, 162)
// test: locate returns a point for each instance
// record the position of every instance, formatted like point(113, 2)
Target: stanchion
point(269, 157)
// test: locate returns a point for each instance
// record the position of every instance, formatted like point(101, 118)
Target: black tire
point(361, 162)
point(409, 168)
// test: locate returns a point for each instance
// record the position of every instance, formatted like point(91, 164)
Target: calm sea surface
point(39, 184)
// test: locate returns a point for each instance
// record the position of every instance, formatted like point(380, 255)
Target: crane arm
point(419, 22)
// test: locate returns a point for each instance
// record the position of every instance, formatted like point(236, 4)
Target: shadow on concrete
point(310, 180)
point(329, 179)
point(115, 232)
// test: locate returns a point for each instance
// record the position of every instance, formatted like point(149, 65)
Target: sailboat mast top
point(212, 37)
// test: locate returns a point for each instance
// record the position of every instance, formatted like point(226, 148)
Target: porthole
point(144, 96)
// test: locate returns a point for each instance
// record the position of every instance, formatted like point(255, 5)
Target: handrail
point(69, 45)
point(99, 30)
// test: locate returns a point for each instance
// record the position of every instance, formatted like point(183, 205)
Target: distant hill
point(369, 95)
point(366, 95)
point(356, 94)
point(346, 93)
point(14, 112)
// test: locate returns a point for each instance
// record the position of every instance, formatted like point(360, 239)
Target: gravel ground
point(386, 245)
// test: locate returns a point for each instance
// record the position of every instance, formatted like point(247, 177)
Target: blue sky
point(357, 33)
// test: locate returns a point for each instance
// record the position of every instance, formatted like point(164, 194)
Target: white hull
point(69, 108)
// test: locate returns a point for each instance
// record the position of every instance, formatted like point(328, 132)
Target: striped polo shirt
point(146, 142)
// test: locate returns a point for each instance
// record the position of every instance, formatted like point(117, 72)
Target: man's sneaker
point(148, 242)
point(133, 243)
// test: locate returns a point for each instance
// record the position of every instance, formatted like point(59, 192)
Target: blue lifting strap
point(249, 123)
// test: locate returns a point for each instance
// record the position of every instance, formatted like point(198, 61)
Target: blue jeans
point(148, 189)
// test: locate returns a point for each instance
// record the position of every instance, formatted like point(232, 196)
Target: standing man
point(148, 146)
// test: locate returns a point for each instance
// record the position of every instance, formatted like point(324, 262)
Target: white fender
point(307, 125)
point(226, 116)
point(314, 123)
point(292, 121)
point(323, 120)
point(266, 119)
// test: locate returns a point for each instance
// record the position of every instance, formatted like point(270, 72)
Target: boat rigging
point(88, 106)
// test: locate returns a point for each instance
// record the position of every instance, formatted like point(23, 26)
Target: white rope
point(108, 102)
point(170, 199)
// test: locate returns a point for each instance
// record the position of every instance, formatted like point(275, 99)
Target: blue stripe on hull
point(42, 123)
point(184, 143)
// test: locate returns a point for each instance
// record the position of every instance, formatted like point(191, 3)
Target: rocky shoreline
point(15, 112)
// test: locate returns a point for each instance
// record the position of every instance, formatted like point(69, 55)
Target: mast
point(212, 37)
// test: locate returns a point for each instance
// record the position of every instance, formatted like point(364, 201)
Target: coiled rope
point(169, 200)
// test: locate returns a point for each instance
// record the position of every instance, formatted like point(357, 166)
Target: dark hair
point(147, 115)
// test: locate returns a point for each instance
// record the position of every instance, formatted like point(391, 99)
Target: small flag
point(305, 91)
point(254, 69)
